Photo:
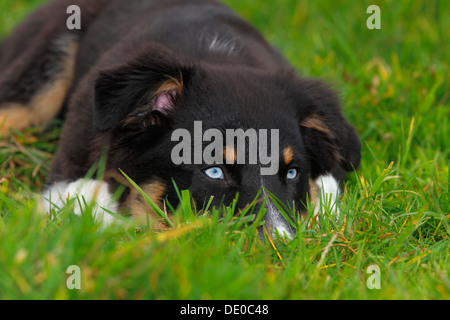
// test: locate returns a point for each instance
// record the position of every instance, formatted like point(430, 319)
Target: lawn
point(395, 210)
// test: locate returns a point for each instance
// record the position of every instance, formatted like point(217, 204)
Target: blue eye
point(214, 173)
point(292, 174)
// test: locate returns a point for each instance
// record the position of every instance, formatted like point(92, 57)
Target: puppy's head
point(222, 131)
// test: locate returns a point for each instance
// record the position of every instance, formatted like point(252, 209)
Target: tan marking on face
point(140, 209)
point(288, 155)
point(135, 202)
point(229, 154)
point(47, 102)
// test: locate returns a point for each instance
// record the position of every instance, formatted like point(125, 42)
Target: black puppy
point(146, 80)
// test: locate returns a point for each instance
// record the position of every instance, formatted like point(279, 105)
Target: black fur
point(128, 49)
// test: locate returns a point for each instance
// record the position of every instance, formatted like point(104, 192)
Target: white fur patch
point(223, 45)
point(329, 193)
point(279, 224)
point(84, 192)
point(274, 218)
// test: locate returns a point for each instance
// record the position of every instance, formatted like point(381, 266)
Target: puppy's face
point(259, 159)
point(221, 132)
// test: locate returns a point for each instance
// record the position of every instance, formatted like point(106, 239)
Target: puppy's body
point(138, 70)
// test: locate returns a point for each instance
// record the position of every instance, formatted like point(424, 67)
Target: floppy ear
point(332, 143)
point(139, 94)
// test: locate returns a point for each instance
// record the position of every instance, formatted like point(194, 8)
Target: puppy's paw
point(84, 193)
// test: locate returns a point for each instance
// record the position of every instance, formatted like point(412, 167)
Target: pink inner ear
point(164, 102)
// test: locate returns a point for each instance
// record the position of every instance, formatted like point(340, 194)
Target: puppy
point(156, 85)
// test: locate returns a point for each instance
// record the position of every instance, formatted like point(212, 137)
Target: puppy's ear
point(332, 143)
point(139, 94)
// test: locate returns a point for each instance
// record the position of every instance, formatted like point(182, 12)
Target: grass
point(394, 213)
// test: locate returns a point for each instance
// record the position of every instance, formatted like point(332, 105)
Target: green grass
point(394, 213)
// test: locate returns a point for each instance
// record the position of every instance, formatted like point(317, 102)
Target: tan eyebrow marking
point(229, 154)
point(288, 155)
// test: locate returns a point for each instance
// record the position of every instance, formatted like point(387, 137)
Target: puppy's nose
point(274, 222)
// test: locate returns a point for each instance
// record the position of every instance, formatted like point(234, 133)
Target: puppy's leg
point(33, 94)
point(82, 192)
point(37, 63)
